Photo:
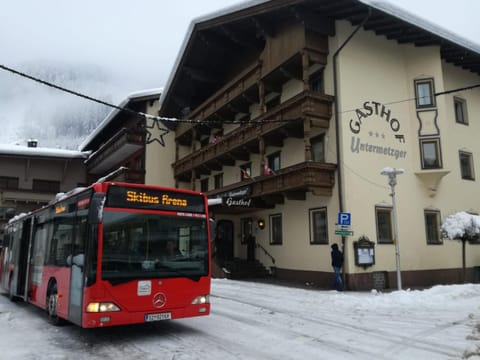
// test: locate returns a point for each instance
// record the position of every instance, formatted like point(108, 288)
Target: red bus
point(112, 254)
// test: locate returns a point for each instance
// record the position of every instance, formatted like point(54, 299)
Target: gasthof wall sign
point(378, 142)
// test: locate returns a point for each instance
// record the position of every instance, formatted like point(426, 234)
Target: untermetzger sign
point(377, 142)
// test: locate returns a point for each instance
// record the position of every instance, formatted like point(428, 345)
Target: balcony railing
point(307, 105)
point(222, 97)
point(292, 182)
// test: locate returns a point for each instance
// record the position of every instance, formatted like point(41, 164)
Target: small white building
point(31, 176)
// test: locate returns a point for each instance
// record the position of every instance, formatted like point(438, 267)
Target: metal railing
point(266, 253)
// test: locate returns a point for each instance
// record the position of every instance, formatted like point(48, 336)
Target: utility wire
point(193, 121)
point(138, 113)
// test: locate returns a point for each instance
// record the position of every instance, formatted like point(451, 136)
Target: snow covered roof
point(155, 92)
point(386, 8)
point(18, 150)
point(413, 19)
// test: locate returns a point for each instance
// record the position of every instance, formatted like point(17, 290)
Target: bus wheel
point(52, 301)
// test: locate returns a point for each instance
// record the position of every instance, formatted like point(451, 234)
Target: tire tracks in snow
point(399, 341)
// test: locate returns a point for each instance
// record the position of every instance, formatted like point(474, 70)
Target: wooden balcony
point(285, 120)
point(241, 85)
point(288, 183)
point(121, 146)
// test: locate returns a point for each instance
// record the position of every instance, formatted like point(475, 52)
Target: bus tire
point(52, 301)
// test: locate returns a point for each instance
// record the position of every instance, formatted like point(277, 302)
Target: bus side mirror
point(95, 214)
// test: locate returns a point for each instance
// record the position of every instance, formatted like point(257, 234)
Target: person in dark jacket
point(337, 263)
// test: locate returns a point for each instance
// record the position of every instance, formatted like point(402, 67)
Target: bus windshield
point(139, 245)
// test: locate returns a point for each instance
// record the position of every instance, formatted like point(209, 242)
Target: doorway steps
point(244, 269)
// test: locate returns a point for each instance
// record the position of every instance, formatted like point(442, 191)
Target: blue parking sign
point(344, 218)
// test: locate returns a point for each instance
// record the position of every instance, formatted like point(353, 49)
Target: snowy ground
point(260, 321)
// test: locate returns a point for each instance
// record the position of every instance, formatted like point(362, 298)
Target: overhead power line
point(193, 121)
point(133, 112)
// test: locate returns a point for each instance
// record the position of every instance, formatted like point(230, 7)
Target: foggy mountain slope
point(55, 118)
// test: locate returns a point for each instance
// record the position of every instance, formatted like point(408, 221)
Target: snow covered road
point(261, 321)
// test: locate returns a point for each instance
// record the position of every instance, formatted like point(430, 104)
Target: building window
point(430, 153)
point(272, 100)
point(246, 172)
point(273, 161)
point(432, 226)
point(424, 93)
point(246, 228)
point(460, 106)
point(466, 166)
point(276, 229)
point(316, 82)
point(318, 226)
point(7, 182)
point(318, 148)
point(46, 186)
point(204, 185)
point(384, 225)
point(218, 181)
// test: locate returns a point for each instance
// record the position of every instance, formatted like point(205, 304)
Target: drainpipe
point(337, 121)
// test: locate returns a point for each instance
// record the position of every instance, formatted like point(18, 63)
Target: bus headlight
point(96, 307)
point(202, 299)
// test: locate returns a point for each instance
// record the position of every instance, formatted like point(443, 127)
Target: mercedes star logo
point(159, 300)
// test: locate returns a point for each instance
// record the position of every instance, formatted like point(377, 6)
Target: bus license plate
point(158, 317)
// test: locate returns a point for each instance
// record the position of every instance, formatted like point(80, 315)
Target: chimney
point(32, 143)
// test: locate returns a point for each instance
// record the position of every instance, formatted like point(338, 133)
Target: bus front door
point(76, 290)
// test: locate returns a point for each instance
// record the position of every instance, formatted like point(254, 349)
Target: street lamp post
point(392, 181)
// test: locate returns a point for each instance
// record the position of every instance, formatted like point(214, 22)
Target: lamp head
point(389, 171)
point(261, 224)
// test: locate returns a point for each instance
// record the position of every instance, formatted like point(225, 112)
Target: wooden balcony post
point(261, 96)
point(261, 150)
point(194, 141)
point(193, 180)
point(306, 137)
point(306, 77)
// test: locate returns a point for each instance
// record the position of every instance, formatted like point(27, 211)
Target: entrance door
point(224, 241)
point(77, 264)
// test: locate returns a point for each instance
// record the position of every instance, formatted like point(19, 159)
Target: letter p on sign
point(344, 219)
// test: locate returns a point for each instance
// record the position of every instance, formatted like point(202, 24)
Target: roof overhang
point(244, 24)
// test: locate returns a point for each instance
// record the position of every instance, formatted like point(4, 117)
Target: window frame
point(246, 229)
point(246, 172)
point(384, 209)
point(469, 156)
point(316, 82)
point(318, 141)
point(313, 227)
point(46, 186)
point(274, 237)
point(271, 161)
point(10, 182)
point(462, 104)
point(438, 162)
point(438, 237)
point(431, 85)
point(204, 183)
point(218, 181)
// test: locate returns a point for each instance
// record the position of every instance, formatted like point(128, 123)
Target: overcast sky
point(137, 41)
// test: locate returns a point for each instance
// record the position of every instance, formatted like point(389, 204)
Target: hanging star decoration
point(151, 138)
